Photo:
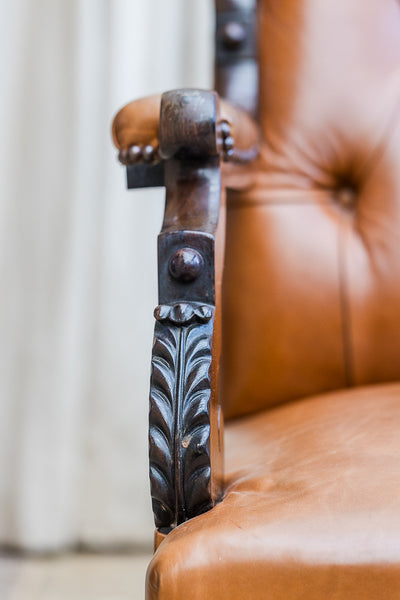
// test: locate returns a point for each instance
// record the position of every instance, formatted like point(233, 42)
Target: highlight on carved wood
point(180, 392)
point(138, 154)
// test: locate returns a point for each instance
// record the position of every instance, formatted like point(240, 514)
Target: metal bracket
point(143, 176)
point(235, 36)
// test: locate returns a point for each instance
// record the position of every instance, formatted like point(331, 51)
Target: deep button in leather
point(346, 197)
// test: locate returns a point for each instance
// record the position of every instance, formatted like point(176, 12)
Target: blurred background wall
point(78, 262)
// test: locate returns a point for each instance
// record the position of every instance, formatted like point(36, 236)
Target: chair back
point(312, 275)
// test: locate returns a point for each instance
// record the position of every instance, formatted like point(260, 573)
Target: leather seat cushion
point(311, 510)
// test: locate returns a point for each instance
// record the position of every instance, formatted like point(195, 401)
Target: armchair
point(278, 258)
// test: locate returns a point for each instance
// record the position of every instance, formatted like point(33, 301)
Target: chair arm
point(135, 132)
point(185, 131)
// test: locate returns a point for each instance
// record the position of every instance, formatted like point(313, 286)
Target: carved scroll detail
point(179, 413)
point(184, 313)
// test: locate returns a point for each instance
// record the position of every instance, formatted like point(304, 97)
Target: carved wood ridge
point(180, 469)
point(184, 421)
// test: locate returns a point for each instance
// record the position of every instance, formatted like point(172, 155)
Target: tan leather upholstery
point(311, 511)
point(312, 279)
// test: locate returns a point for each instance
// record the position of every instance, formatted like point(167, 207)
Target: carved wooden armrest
point(136, 135)
point(185, 132)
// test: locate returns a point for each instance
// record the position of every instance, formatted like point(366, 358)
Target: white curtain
point(78, 262)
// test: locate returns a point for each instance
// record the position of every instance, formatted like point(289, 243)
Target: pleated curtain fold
point(78, 262)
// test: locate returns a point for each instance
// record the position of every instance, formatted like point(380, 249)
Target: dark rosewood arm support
point(179, 141)
point(136, 135)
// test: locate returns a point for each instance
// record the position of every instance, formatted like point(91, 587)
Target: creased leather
point(312, 278)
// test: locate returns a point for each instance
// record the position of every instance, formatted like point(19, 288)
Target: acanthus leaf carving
point(179, 434)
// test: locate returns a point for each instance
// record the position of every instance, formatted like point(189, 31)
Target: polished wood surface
point(236, 67)
point(237, 135)
point(184, 434)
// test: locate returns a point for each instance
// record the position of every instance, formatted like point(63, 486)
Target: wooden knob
point(134, 154)
point(148, 153)
point(123, 156)
point(185, 265)
point(233, 35)
point(188, 124)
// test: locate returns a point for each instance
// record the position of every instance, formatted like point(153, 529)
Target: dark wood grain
point(234, 5)
point(184, 424)
point(236, 68)
point(180, 395)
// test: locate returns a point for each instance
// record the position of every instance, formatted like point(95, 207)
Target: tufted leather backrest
point(312, 276)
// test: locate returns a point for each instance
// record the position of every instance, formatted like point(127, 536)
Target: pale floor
point(74, 577)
